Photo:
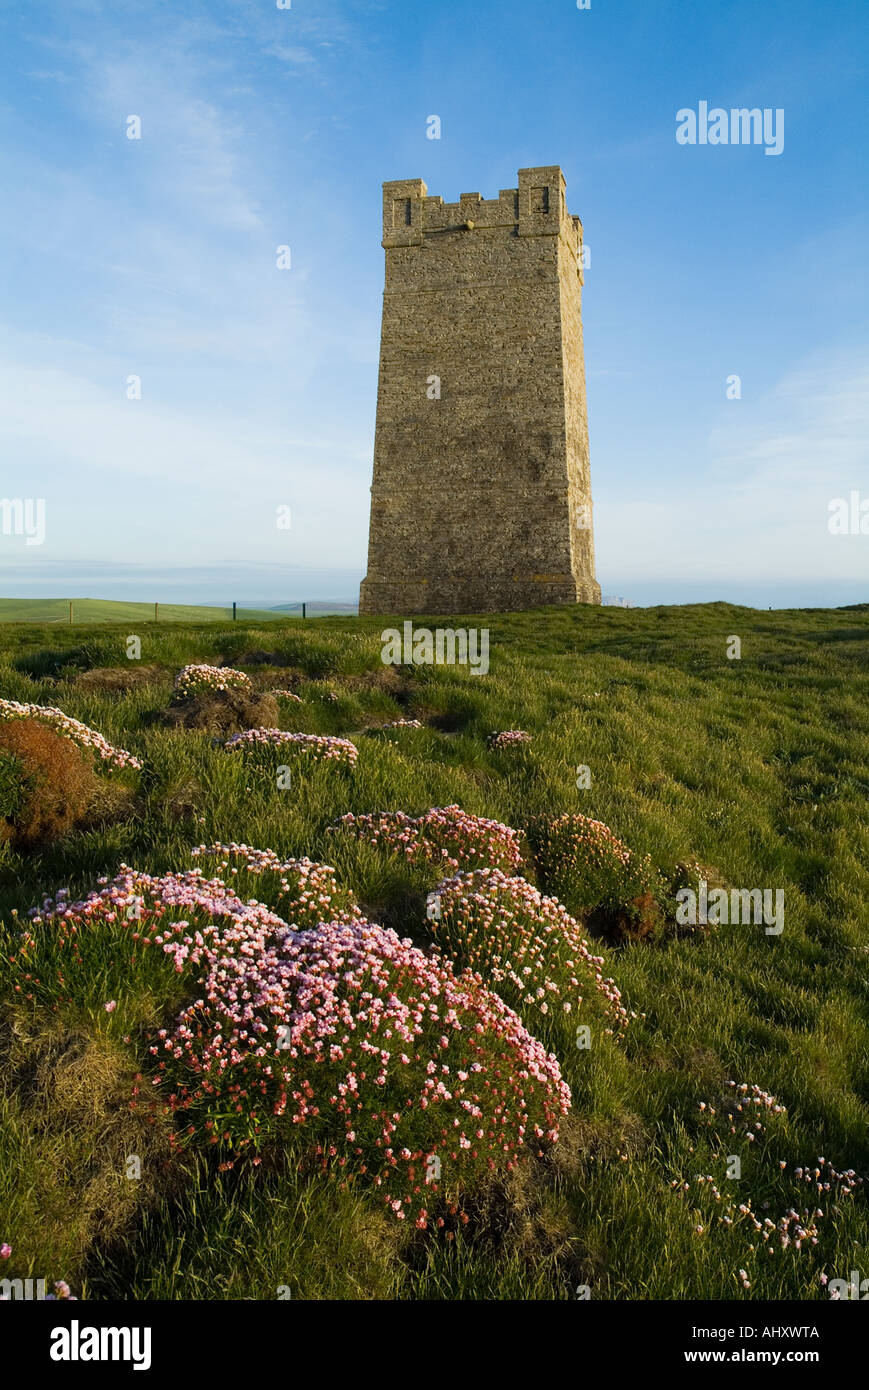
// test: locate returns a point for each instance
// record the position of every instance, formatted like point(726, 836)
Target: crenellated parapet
point(536, 208)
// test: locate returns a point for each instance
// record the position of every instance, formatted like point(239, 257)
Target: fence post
point(70, 612)
point(156, 607)
point(303, 610)
point(233, 610)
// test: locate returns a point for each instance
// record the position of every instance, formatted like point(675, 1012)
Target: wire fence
point(90, 610)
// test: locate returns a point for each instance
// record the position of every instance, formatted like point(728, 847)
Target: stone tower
point(481, 499)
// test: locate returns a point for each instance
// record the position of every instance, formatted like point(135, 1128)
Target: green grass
point(758, 767)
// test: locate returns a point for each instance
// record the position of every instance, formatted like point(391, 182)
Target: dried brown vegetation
point(223, 712)
point(58, 784)
point(119, 680)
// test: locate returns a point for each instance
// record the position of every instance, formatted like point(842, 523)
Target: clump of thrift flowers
point(372, 1056)
point(203, 680)
point(72, 729)
point(303, 891)
point(402, 724)
point(445, 837)
point(177, 912)
point(315, 747)
point(508, 738)
point(527, 947)
point(340, 1041)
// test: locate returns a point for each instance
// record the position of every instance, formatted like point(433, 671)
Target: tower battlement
point(481, 497)
point(536, 208)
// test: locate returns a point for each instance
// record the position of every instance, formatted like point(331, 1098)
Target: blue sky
point(264, 127)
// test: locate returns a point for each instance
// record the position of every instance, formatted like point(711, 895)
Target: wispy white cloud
point(296, 57)
point(133, 480)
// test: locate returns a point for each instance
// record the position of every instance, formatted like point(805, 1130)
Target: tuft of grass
point(77, 1167)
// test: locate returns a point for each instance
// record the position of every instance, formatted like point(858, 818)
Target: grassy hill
point(99, 610)
point(752, 771)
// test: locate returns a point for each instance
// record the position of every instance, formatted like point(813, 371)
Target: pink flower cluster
point(201, 679)
point(72, 729)
point(374, 1057)
point(508, 738)
point(318, 747)
point(824, 1178)
point(741, 1105)
point(526, 946)
point(288, 695)
point(381, 1055)
point(303, 891)
point(402, 724)
point(446, 837)
point(157, 911)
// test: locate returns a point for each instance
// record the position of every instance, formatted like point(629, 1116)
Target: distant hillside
point(101, 610)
